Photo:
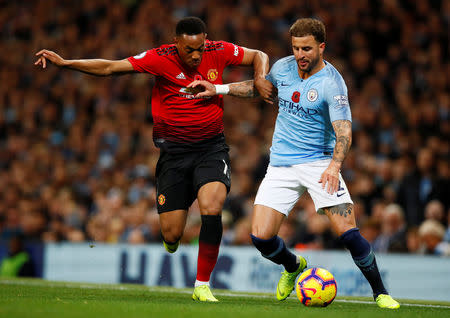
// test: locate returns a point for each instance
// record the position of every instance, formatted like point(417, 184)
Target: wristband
point(222, 89)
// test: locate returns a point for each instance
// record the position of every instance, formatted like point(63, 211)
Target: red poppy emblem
point(296, 97)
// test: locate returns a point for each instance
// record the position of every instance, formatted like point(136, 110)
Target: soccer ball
point(316, 287)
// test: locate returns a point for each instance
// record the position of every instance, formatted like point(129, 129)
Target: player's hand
point(265, 89)
point(44, 55)
point(201, 88)
point(330, 178)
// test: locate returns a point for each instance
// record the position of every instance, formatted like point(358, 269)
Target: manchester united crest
point(212, 74)
point(161, 199)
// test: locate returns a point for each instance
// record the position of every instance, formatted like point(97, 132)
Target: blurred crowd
point(77, 159)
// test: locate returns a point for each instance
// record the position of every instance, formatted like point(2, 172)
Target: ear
point(322, 47)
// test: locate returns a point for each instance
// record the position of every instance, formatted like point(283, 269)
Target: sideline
point(42, 283)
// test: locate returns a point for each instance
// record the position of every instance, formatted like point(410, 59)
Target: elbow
point(106, 71)
point(109, 68)
point(262, 56)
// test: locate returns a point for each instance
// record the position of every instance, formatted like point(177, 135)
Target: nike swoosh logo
point(340, 195)
point(311, 289)
point(280, 293)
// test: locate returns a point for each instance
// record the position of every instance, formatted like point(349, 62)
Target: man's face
point(190, 48)
point(307, 52)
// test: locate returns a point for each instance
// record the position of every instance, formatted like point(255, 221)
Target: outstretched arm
point(97, 67)
point(343, 131)
point(238, 89)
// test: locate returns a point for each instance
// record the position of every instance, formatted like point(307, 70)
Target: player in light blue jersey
point(312, 137)
point(307, 108)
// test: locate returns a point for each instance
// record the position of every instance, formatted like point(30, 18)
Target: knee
point(171, 234)
point(268, 246)
point(211, 197)
point(264, 229)
point(257, 241)
point(342, 228)
point(210, 206)
point(258, 233)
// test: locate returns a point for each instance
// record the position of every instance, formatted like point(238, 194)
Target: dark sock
point(208, 245)
point(364, 258)
point(275, 250)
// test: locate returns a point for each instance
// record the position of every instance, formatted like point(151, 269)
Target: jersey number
point(225, 169)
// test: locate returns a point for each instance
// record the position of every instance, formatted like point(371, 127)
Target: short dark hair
point(190, 26)
point(308, 26)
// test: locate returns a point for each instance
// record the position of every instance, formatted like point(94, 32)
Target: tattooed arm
point(238, 89)
point(330, 177)
point(343, 131)
point(243, 89)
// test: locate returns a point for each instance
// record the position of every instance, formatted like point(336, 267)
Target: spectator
point(431, 234)
point(18, 263)
point(393, 231)
point(447, 232)
point(370, 230)
point(420, 187)
point(434, 210)
point(413, 240)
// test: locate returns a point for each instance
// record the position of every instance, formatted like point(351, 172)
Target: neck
point(304, 75)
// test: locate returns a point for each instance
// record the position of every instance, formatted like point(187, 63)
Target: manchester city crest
point(312, 95)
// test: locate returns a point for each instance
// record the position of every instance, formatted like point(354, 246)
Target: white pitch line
point(180, 291)
point(336, 300)
point(401, 303)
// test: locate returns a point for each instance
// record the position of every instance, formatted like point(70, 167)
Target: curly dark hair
point(190, 26)
point(308, 26)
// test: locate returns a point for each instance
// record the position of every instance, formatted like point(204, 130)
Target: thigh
point(173, 222)
point(280, 189)
point(266, 221)
point(211, 197)
point(309, 174)
point(174, 189)
point(212, 167)
point(342, 217)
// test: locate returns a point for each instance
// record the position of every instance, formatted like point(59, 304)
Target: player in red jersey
point(194, 160)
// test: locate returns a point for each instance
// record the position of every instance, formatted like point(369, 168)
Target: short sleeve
point(233, 54)
point(272, 76)
point(335, 92)
point(147, 62)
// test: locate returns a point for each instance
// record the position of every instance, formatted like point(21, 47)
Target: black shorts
point(179, 176)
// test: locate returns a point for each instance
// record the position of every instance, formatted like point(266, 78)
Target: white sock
point(200, 283)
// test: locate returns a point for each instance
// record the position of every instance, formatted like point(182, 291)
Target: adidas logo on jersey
point(180, 76)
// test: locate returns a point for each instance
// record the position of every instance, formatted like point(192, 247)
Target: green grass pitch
point(38, 298)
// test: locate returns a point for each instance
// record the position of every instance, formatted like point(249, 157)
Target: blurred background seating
point(77, 159)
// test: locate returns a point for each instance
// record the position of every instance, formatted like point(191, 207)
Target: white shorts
point(283, 186)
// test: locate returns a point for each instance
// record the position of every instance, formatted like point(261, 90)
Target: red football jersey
point(177, 115)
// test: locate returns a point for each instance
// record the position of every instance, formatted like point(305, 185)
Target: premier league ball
point(316, 287)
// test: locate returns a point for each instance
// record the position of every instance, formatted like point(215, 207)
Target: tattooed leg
point(341, 217)
point(342, 209)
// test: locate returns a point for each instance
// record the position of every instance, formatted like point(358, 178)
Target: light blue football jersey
point(303, 130)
